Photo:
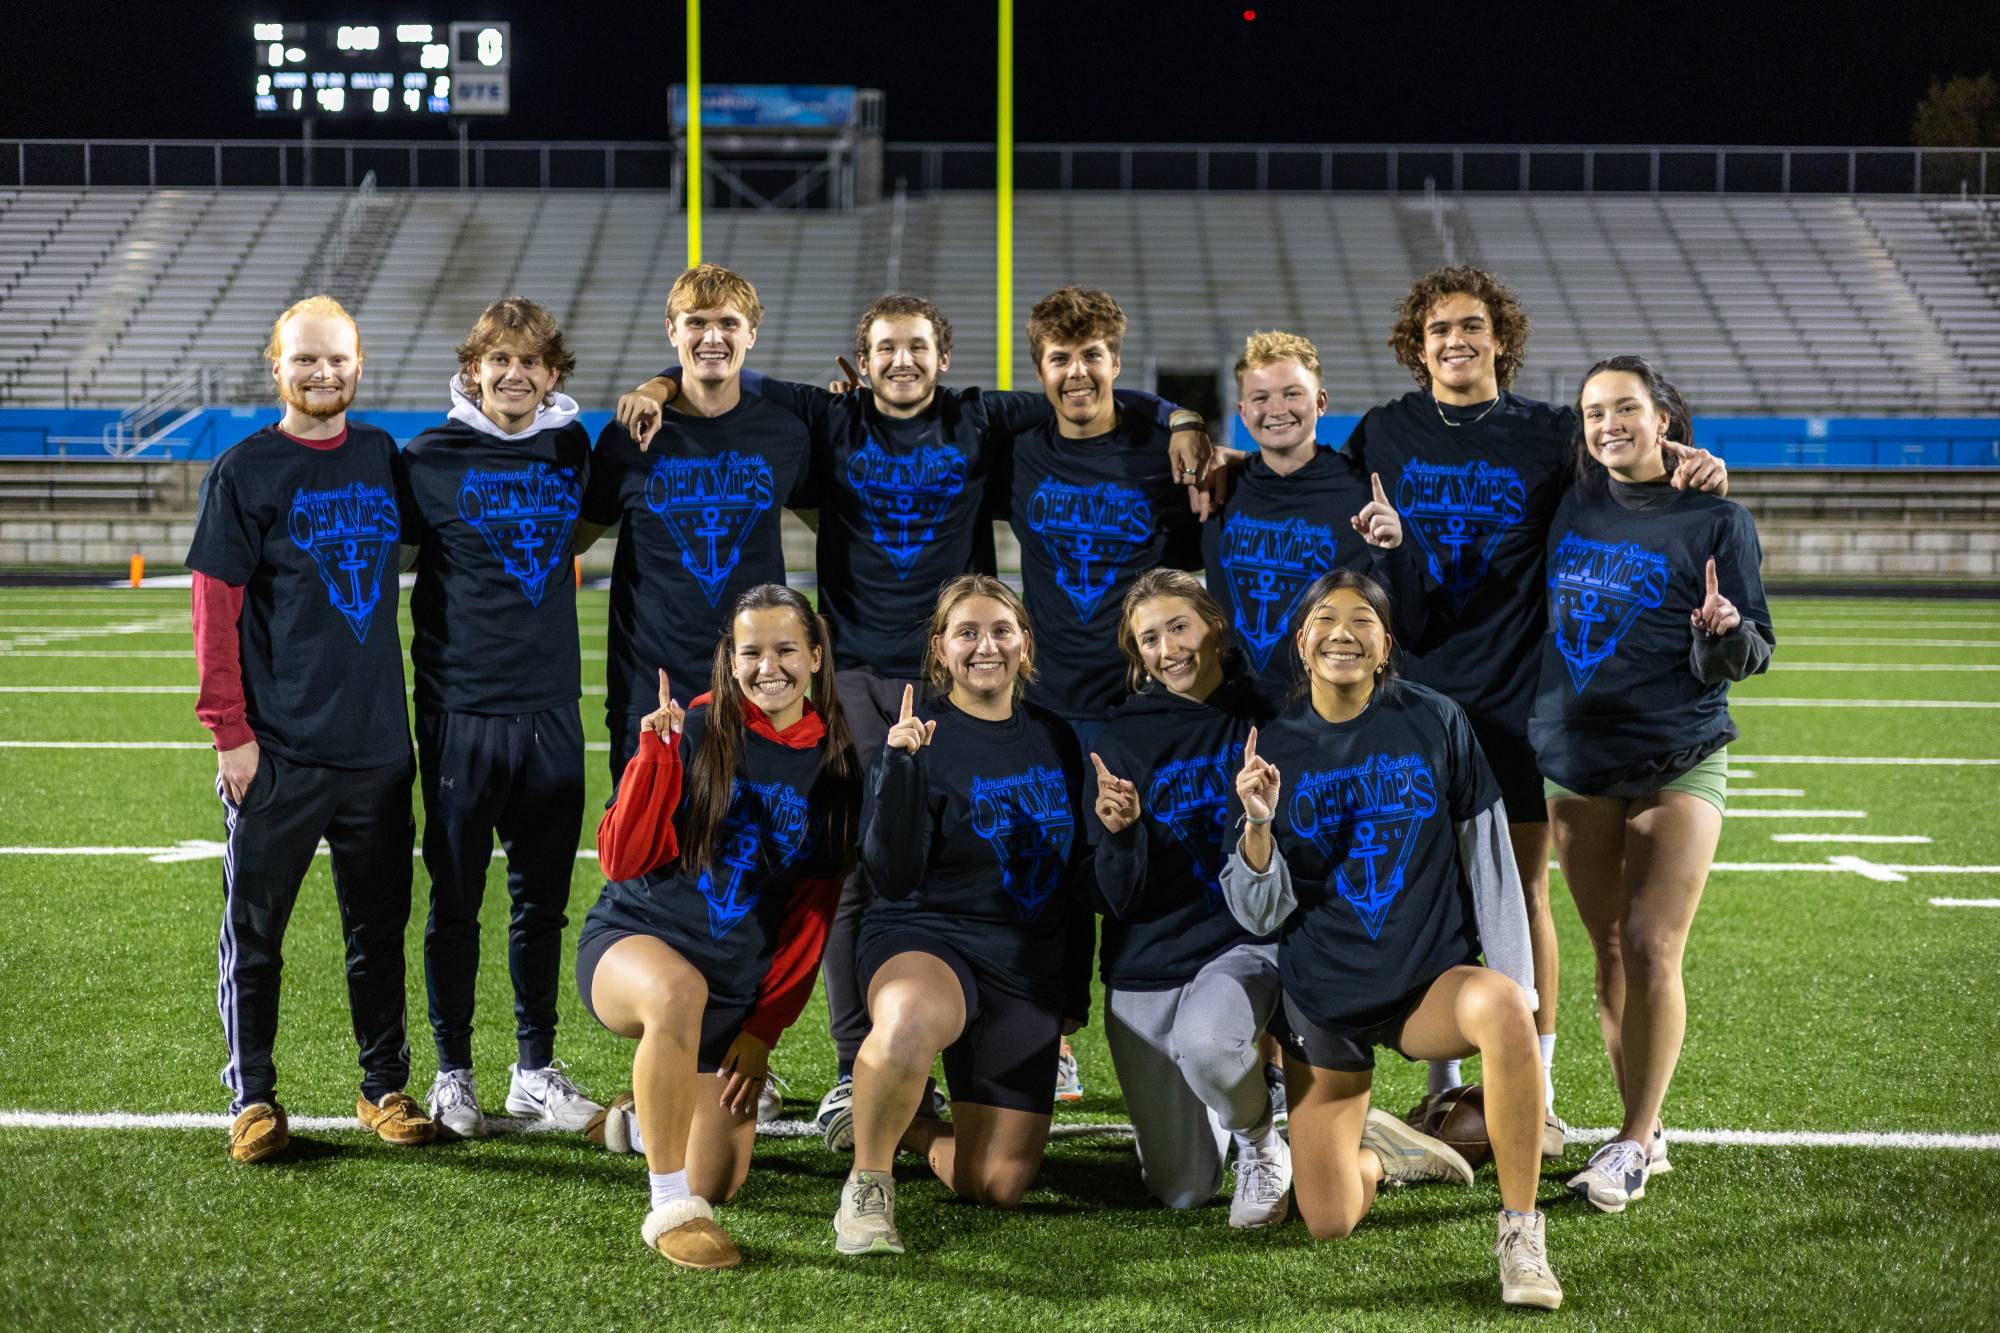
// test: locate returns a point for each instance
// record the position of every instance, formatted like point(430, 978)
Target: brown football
point(1459, 1118)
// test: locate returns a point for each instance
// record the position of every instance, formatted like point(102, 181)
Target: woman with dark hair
point(1386, 872)
point(1655, 605)
point(724, 850)
point(1188, 991)
point(975, 946)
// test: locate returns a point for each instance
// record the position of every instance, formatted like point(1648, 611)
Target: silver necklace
point(1470, 421)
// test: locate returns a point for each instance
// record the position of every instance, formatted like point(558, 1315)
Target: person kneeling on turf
point(1390, 823)
point(724, 849)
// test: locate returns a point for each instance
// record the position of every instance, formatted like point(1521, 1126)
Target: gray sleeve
point(1260, 900)
point(1737, 655)
point(1498, 904)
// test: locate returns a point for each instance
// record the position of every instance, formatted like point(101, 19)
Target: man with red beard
point(294, 560)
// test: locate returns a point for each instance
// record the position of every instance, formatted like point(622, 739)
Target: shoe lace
point(1620, 1158)
point(453, 1090)
point(556, 1086)
point(1258, 1179)
point(1525, 1250)
point(871, 1198)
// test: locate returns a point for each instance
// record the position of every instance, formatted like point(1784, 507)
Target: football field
point(1836, 1164)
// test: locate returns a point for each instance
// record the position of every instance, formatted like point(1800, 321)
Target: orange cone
point(138, 569)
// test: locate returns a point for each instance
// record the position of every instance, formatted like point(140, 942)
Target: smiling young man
point(490, 499)
point(1476, 472)
point(1296, 511)
point(294, 560)
point(904, 466)
point(698, 488)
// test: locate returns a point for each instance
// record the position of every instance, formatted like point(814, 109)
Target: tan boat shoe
point(685, 1232)
point(259, 1132)
point(399, 1119)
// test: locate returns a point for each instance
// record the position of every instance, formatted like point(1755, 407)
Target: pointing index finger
point(1250, 748)
point(847, 372)
point(909, 698)
point(1375, 480)
point(1713, 590)
point(666, 692)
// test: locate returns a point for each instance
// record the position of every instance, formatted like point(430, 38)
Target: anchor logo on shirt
point(525, 517)
point(710, 507)
point(1026, 820)
point(906, 496)
point(1365, 820)
point(1596, 591)
point(1092, 533)
point(350, 533)
point(1459, 516)
point(765, 827)
point(1191, 798)
point(1266, 566)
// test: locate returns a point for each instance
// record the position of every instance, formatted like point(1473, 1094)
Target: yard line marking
point(1884, 666)
point(1768, 701)
point(1766, 791)
point(1965, 902)
point(1924, 761)
point(187, 849)
point(187, 656)
point(1795, 814)
point(99, 689)
point(1912, 838)
point(795, 1129)
point(1868, 869)
point(1813, 623)
point(1738, 773)
point(1843, 641)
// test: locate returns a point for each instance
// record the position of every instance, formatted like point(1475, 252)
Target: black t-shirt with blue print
point(1275, 536)
point(1366, 819)
point(310, 535)
point(1476, 498)
point(726, 917)
point(1091, 515)
point(701, 513)
point(493, 613)
point(978, 841)
point(1618, 702)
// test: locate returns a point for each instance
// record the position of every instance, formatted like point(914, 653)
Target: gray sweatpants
point(1188, 1065)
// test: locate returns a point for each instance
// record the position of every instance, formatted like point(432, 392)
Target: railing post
point(610, 166)
point(1718, 170)
point(1201, 169)
point(1785, 172)
point(218, 166)
point(1521, 180)
point(1326, 169)
point(1589, 171)
point(545, 167)
point(347, 168)
point(1395, 179)
point(1654, 179)
point(152, 165)
point(1065, 169)
point(1850, 170)
point(1917, 171)
point(1125, 169)
point(1263, 169)
point(86, 163)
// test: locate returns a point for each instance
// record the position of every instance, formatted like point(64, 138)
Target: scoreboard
point(382, 71)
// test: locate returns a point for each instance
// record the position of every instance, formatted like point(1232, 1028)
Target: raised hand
point(1257, 782)
point(667, 720)
point(1117, 799)
point(1717, 614)
point(1694, 469)
point(850, 378)
point(1378, 522)
point(909, 734)
point(640, 415)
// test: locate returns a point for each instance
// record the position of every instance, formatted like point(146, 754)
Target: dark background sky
point(1303, 71)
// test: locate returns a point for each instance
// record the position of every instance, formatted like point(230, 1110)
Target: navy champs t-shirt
point(493, 612)
point(702, 525)
point(310, 536)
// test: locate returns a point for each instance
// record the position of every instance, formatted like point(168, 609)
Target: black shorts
point(1006, 1056)
point(1512, 760)
point(719, 1022)
point(1350, 1048)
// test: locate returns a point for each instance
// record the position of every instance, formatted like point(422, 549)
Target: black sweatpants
point(364, 815)
point(521, 776)
point(871, 703)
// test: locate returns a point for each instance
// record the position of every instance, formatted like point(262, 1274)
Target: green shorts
point(1708, 779)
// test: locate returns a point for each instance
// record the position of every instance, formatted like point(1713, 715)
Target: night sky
point(1188, 70)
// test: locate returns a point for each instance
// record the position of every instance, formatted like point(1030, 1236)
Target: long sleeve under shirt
point(1392, 862)
point(754, 922)
point(977, 841)
point(1631, 693)
point(1276, 535)
point(1159, 880)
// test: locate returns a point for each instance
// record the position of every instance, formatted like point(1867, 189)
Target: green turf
point(1827, 1002)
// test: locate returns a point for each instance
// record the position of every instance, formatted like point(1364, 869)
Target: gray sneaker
point(1614, 1176)
point(1409, 1155)
point(1656, 1154)
point(1263, 1183)
point(1525, 1275)
point(1555, 1136)
point(866, 1221)
point(835, 1116)
point(454, 1103)
point(548, 1099)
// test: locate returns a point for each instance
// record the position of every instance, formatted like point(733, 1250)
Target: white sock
point(1256, 1137)
point(1444, 1076)
point(1548, 1040)
point(667, 1186)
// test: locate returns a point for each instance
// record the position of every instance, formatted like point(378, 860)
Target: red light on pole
point(1249, 16)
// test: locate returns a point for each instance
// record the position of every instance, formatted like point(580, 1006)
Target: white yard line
point(1845, 641)
point(1965, 902)
point(1914, 839)
point(1770, 701)
point(1865, 760)
point(602, 747)
point(1733, 813)
point(1734, 792)
point(1777, 665)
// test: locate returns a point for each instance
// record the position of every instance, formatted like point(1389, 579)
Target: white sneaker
point(1656, 1154)
point(1614, 1176)
point(835, 1116)
point(1408, 1154)
point(1069, 1081)
point(547, 1097)
point(771, 1099)
point(866, 1220)
point(454, 1104)
point(1263, 1183)
point(1525, 1275)
point(1555, 1136)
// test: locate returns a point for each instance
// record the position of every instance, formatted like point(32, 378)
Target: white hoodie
point(558, 412)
